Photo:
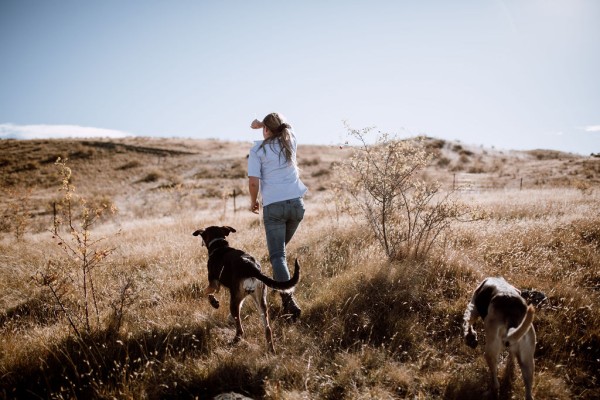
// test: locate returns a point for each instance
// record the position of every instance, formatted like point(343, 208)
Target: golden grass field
point(370, 328)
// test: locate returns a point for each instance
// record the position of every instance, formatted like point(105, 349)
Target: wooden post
point(234, 208)
point(54, 218)
point(521, 185)
point(454, 182)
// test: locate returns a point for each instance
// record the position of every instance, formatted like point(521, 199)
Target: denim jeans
point(281, 220)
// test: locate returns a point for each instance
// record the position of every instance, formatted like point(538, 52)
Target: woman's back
point(279, 179)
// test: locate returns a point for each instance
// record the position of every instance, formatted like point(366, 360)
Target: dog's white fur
point(508, 324)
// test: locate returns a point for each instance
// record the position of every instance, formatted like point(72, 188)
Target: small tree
point(406, 213)
point(72, 232)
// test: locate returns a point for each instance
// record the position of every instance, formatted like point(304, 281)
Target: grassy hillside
point(370, 329)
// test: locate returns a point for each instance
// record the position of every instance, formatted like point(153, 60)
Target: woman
point(272, 170)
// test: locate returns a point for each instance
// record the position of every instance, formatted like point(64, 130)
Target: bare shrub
point(584, 186)
point(17, 215)
point(477, 169)
point(406, 214)
point(321, 172)
point(548, 154)
point(443, 162)
point(72, 232)
point(129, 165)
point(152, 176)
point(309, 162)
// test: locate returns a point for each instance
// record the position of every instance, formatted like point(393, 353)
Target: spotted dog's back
point(508, 325)
point(502, 296)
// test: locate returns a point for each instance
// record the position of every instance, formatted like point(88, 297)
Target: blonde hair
point(280, 132)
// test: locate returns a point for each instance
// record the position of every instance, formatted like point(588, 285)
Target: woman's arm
point(253, 185)
point(256, 124)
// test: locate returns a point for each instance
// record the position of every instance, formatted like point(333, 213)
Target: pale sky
point(513, 74)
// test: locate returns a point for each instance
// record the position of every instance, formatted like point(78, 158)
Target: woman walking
point(272, 170)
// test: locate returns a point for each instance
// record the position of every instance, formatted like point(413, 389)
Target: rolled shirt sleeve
point(254, 167)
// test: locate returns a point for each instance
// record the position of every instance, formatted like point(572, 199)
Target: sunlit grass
point(370, 328)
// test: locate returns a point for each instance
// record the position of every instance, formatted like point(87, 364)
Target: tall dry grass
point(370, 328)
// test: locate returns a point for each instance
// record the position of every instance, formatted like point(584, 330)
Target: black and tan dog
point(240, 273)
point(508, 325)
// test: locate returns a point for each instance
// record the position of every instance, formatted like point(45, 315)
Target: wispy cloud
point(12, 131)
point(592, 128)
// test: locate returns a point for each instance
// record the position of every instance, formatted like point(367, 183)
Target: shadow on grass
point(380, 310)
point(236, 375)
point(474, 384)
point(35, 311)
point(77, 367)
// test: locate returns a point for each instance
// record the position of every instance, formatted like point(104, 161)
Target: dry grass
point(370, 328)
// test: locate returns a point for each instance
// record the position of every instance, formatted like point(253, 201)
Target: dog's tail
point(515, 334)
point(283, 286)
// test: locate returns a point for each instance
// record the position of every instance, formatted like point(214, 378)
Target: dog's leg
point(525, 354)
point(213, 287)
point(491, 357)
point(235, 305)
point(506, 387)
point(493, 347)
point(260, 299)
point(469, 319)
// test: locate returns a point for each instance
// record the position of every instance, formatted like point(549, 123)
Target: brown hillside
point(129, 172)
point(124, 166)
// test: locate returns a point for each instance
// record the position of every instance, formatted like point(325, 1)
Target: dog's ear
point(198, 232)
point(226, 230)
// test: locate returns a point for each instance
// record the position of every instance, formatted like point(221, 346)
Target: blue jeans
point(281, 220)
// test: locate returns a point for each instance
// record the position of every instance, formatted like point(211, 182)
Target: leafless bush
point(17, 214)
point(73, 234)
point(406, 214)
point(152, 176)
point(309, 162)
point(130, 164)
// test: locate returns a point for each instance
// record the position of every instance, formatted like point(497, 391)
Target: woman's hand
point(256, 124)
point(253, 187)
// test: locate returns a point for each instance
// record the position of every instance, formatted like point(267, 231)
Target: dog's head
point(534, 297)
point(213, 232)
point(471, 339)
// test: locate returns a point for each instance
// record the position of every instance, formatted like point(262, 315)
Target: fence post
point(54, 218)
point(521, 185)
point(454, 182)
point(234, 208)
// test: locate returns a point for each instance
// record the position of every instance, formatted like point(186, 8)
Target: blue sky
point(513, 74)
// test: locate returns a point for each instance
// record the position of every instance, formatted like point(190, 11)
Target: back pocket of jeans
point(299, 211)
point(273, 211)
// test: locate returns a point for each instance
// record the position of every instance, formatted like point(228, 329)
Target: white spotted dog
point(508, 325)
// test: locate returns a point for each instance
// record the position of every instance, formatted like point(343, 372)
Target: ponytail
point(280, 132)
point(283, 126)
